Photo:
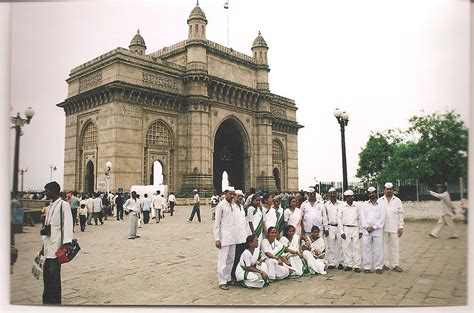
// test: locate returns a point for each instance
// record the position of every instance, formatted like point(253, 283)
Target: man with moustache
point(332, 207)
point(241, 230)
point(372, 219)
point(313, 213)
point(350, 229)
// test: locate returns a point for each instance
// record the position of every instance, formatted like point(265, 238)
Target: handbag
point(62, 255)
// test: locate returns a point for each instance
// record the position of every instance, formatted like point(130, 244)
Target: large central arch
point(230, 154)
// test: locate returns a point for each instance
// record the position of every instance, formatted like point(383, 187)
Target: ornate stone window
point(277, 152)
point(158, 134)
point(89, 136)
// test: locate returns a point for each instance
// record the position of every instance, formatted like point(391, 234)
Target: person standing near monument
point(226, 236)
point(350, 229)
point(132, 206)
point(51, 236)
point(196, 208)
point(74, 203)
point(447, 215)
point(335, 255)
point(171, 202)
point(157, 205)
point(241, 231)
point(372, 218)
point(393, 227)
point(146, 207)
point(313, 213)
point(119, 206)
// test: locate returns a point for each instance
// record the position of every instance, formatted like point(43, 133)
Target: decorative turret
point(197, 23)
point(137, 45)
point(260, 49)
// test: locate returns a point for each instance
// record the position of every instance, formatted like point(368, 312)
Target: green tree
point(433, 149)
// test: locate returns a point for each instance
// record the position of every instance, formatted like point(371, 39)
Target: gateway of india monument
point(195, 109)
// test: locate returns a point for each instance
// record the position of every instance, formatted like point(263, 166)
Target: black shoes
point(347, 269)
point(357, 270)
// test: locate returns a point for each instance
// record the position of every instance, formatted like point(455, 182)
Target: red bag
point(62, 255)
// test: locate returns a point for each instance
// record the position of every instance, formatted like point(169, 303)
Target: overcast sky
point(381, 61)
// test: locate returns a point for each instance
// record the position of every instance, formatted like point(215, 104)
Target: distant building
point(195, 109)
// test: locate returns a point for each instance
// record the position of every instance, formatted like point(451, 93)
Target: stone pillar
point(264, 179)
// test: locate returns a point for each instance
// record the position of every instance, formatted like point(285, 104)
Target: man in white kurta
point(350, 229)
point(372, 216)
point(448, 213)
point(334, 247)
point(226, 236)
point(393, 227)
point(313, 213)
point(132, 206)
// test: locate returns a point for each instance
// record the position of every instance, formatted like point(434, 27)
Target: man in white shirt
point(97, 209)
point(335, 256)
point(350, 229)
point(171, 202)
point(196, 208)
point(372, 218)
point(241, 230)
point(146, 207)
point(313, 213)
point(157, 203)
point(393, 227)
point(226, 236)
point(90, 208)
point(214, 202)
point(132, 206)
point(53, 239)
point(448, 213)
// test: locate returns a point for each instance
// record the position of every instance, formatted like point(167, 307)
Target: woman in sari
point(273, 250)
point(269, 211)
point(280, 221)
point(292, 242)
point(314, 252)
point(293, 215)
point(256, 219)
point(251, 271)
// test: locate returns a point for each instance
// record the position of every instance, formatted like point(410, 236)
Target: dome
point(197, 13)
point(138, 40)
point(259, 42)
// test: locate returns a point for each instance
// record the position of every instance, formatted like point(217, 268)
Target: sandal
point(224, 287)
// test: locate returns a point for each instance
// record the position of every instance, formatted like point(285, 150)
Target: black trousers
point(96, 215)
point(119, 213)
point(146, 217)
point(171, 207)
point(239, 249)
point(74, 217)
point(196, 210)
point(82, 221)
point(52, 282)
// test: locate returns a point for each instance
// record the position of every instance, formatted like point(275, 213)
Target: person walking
point(447, 215)
point(350, 229)
point(132, 207)
point(74, 203)
point(226, 236)
point(54, 235)
point(83, 213)
point(97, 209)
point(335, 255)
point(90, 208)
point(393, 227)
point(372, 217)
point(214, 202)
point(196, 207)
point(119, 200)
point(146, 207)
point(171, 202)
point(157, 203)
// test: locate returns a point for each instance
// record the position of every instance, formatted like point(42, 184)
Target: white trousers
point(373, 245)
point(351, 247)
point(334, 247)
point(132, 225)
point(255, 280)
point(444, 220)
point(297, 264)
point(317, 265)
point(225, 260)
point(276, 271)
point(391, 244)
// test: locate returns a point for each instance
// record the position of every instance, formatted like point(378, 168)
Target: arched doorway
point(276, 174)
point(89, 177)
point(156, 173)
point(229, 152)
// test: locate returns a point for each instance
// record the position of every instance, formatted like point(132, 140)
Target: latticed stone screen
point(277, 151)
point(89, 137)
point(158, 134)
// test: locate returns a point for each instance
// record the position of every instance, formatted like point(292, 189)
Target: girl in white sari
point(251, 271)
point(314, 252)
point(256, 218)
point(293, 215)
point(273, 251)
point(292, 242)
point(280, 221)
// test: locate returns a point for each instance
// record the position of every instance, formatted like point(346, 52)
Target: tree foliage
point(433, 150)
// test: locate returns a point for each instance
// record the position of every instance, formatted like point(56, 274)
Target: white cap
point(311, 189)
point(371, 189)
point(195, 190)
point(388, 185)
point(229, 188)
point(332, 189)
point(348, 193)
point(239, 192)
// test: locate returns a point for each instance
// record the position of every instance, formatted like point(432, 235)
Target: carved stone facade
point(195, 109)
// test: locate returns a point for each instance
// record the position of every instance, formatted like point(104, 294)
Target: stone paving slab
point(174, 263)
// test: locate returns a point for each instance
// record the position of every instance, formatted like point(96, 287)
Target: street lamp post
point(343, 120)
point(51, 169)
point(22, 172)
point(18, 122)
point(108, 168)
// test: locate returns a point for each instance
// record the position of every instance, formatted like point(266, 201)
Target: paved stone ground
point(174, 263)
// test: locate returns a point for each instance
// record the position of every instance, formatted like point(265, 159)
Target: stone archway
point(89, 179)
point(230, 149)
